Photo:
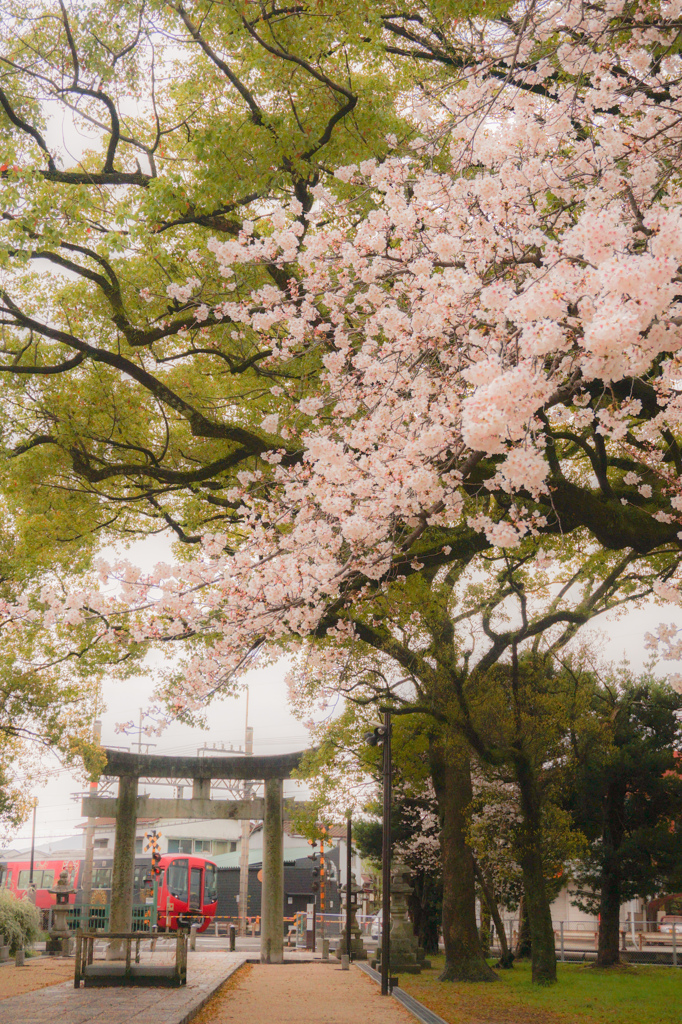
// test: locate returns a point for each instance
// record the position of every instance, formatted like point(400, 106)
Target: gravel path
point(318, 993)
point(39, 972)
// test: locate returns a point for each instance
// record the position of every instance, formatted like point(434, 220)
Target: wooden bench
point(131, 972)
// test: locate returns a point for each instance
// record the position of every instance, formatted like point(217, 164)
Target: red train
point(188, 886)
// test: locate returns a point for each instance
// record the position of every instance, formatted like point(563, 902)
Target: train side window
point(23, 879)
point(47, 881)
point(210, 883)
point(177, 878)
point(101, 878)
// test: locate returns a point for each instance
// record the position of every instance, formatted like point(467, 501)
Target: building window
point(220, 846)
point(233, 846)
point(202, 845)
point(138, 845)
point(179, 845)
point(100, 844)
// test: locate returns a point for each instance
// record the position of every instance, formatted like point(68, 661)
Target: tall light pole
point(86, 880)
point(33, 851)
point(382, 734)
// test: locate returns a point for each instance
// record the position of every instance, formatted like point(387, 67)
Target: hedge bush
point(19, 921)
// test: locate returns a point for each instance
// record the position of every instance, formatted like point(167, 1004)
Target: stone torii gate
point(128, 806)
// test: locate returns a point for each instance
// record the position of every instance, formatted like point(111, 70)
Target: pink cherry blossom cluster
point(469, 310)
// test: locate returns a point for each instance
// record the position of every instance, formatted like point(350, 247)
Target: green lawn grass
point(583, 994)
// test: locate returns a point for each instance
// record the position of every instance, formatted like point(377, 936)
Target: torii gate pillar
point(124, 863)
point(272, 898)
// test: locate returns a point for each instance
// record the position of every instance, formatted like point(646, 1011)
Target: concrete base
point(358, 951)
point(59, 945)
point(138, 975)
point(405, 966)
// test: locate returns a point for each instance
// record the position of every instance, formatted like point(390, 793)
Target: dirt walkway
point(38, 973)
point(294, 993)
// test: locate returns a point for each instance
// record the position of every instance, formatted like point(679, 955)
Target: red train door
point(195, 889)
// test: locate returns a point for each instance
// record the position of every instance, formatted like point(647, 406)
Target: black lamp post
point(382, 734)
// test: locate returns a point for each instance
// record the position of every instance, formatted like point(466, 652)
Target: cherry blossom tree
point(466, 345)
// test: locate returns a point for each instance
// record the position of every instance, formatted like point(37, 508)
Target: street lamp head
point(377, 735)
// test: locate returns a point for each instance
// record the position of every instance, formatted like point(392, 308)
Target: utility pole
point(323, 890)
point(381, 734)
point(349, 893)
point(31, 888)
point(86, 881)
point(139, 743)
point(246, 831)
point(386, 859)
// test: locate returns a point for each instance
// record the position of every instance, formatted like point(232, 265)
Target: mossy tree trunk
point(523, 941)
point(464, 960)
point(608, 948)
point(536, 900)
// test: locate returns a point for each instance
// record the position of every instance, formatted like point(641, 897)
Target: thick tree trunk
point(422, 904)
point(608, 949)
point(523, 943)
point(543, 956)
point(464, 960)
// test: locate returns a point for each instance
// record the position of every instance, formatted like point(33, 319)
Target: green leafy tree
point(476, 654)
point(625, 791)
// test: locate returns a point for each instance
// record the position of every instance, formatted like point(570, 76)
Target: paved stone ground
point(63, 1004)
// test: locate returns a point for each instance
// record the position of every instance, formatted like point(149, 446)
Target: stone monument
point(357, 949)
point(406, 956)
point(60, 937)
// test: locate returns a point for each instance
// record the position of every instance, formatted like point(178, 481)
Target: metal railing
point(640, 942)
point(96, 918)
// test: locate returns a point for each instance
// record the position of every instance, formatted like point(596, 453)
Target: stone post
point(59, 941)
point(406, 956)
point(121, 918)
point(357, 947)
point(272, 897)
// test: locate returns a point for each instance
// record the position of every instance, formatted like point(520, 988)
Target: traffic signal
point(315, 884)
point(156, 863)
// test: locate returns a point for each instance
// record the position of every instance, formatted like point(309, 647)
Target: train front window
point(210, 883)
point(176, 876)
